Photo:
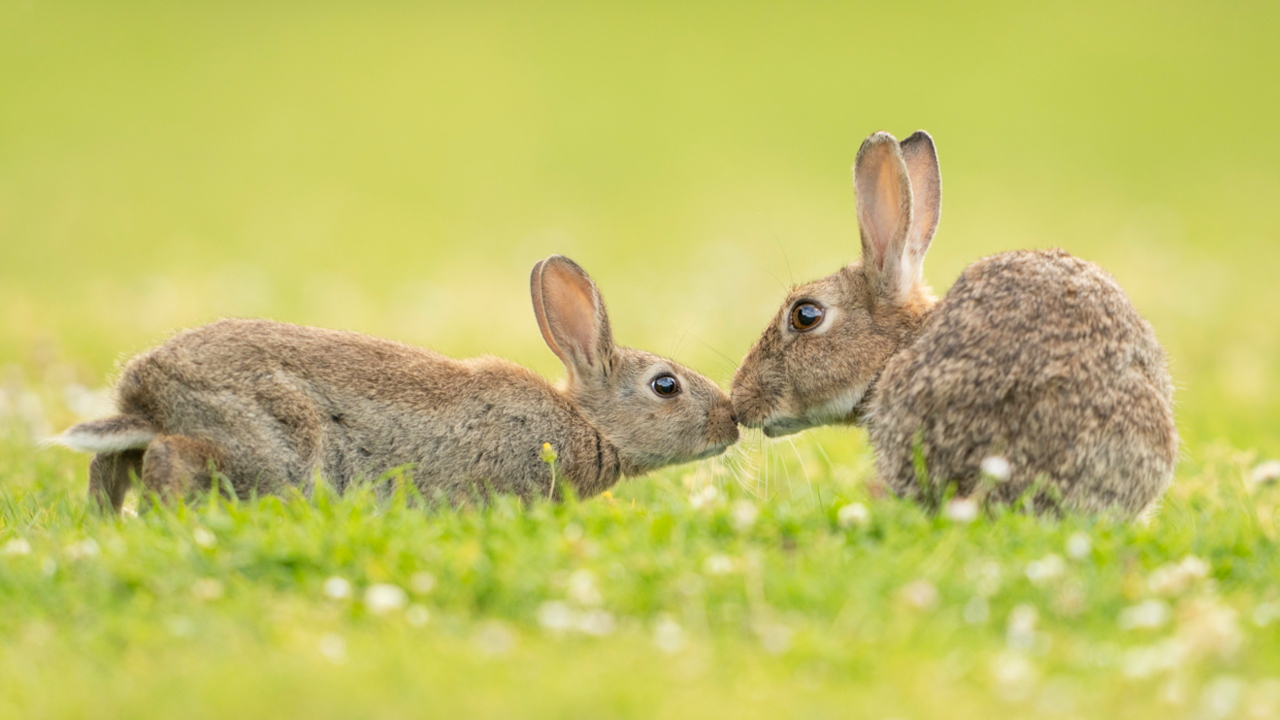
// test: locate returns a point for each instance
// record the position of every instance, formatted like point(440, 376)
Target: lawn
point(397, 169)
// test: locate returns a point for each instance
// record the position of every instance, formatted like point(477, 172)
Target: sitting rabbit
point(1035, 357)
point(270, 405)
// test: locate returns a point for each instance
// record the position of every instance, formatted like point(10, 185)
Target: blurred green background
point(397, 168)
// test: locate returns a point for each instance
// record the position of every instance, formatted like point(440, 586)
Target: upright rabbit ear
point(572, 316)
point(883, 190)
point(921, 159)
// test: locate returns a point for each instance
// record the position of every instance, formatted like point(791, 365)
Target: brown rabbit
point(269, 405)
point(1036, 357)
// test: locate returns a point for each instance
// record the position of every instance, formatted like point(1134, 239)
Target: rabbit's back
point(1038, 357)
point(286, 401)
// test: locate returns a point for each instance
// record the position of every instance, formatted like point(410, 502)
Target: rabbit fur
point(1034, 356)
point(270, 405)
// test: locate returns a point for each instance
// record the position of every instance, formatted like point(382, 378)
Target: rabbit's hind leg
point(176, 466)
point(110, 475)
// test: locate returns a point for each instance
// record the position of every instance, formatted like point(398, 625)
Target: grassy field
point(397, 169)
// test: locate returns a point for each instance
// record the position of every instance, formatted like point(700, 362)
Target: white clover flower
point(1265, 473)
point(1221, 697)
point(333, 648)
point(996, 468)
point(962, 510)
point(1175, 579)
point(204, 538)
point(1144, 661)
point(417, 615)
point(718, 565)
point(495, 638)
point(1050, 567)
point(1015, 676)
point(582, 588)
point(1266, 613)
point(1020, 633)
point(920, 594)
point(1146, 615)
point(84, 549)
point(977, 610)
point(668, 635)
point(743, 514)
point(775, 638)
point(206, 589)
point(556, 616)
point(422, 583)
point(383, 598)
point(1079, 546)
point(16, 546)
point(853, 515)
point(1208, 627)
point(706, 497)
point(595, 622)
point(337, 588)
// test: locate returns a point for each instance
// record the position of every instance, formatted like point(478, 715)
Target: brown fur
point(1035, 356)
point(270, 405)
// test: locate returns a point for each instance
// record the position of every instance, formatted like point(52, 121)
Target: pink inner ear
point(569, 303)
point(886, 210)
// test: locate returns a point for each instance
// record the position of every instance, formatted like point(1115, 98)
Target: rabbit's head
point(820, 356)
point(654, 411)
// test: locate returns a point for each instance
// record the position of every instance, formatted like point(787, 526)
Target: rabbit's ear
point(572, 316)
point(921, 159)
point(883, 190)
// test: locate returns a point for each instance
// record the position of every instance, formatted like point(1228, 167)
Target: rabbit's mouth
point(710, 452)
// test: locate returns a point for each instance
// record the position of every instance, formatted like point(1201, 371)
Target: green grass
point(639, 604)
point(397, 169)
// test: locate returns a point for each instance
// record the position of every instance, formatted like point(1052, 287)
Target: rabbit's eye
point(806, 316)
point(665, 385)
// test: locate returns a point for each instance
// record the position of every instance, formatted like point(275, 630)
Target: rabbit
point(270, 405)
point(1034, 357)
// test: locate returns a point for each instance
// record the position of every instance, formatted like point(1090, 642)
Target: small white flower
point(854, 515)
point(1221, 697)
point(1143, 661)
point(333, 648)
point(996, 468)
point(422, 583)
point(417, 615)
point(1020, 633)
point(718, 565)
point(16, 546)
point(582, 588)
point(1050, 567)
point(668, 635)
point(706, 497)
point(595, 622)
point(977, 610)
point(920, 594)
point(1175, 579)
point(775, 638)
point(206, 589)
point(962, 510)
point(556, 616)
point(337, 588)
point(573, 532)
point(1146, 615)
point(1265, 473)
point(204, 538)
point(1015, 676)
point(1079, 546)
point(495, 638)
point(1266, 613)
point(84, 549)
point(383, 598)
point(744, 514)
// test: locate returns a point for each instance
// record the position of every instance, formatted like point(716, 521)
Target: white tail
point(108, 435)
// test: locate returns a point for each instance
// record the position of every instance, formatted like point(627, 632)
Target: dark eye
point(806, 316)
point(665, 386)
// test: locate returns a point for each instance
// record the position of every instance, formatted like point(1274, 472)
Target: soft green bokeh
point(397, 168)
